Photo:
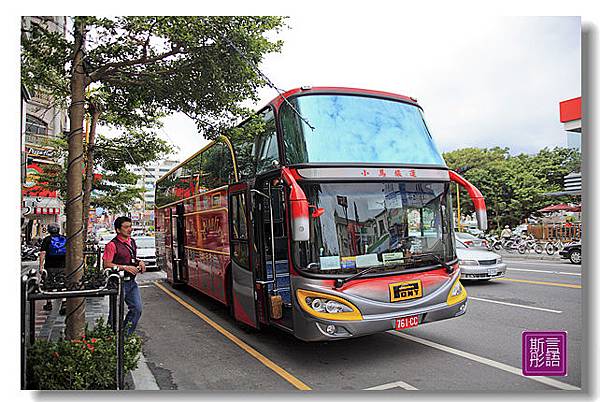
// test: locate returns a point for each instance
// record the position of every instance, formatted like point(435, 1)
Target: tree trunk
point(89, 168)
point(75, 319)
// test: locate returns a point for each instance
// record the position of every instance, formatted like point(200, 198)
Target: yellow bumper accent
point(353, 315)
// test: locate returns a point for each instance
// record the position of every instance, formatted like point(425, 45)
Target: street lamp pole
point(458, 205)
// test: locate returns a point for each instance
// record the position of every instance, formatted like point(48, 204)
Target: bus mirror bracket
point(476, 197)
point(316, 211)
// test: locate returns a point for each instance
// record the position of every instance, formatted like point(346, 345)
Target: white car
point(470, 240)
point(146, 251)
point(478, 264)
point(105, 238)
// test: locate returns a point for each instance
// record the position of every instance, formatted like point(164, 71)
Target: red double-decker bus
point(330, 219)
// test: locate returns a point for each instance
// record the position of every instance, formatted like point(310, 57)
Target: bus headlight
point(327, 306)
point(457, 293)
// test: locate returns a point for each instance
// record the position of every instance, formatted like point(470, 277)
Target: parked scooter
point(29, 253)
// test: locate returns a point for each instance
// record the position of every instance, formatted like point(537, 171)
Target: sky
point(483, 81)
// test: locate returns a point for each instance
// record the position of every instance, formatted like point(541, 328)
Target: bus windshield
point(386, 225)
point(352, 128)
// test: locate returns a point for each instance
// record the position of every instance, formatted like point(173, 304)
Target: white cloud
point(483, 81)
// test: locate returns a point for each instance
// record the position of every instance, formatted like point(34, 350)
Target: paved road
point(192, 344)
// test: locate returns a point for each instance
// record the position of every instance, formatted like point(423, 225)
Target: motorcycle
point(530, 243)
point(493, 243)
point(29, 253)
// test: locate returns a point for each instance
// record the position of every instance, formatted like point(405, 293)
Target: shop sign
point(38, 152)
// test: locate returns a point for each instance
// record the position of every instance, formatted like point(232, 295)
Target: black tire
point(522, 249)
point(538, 248)
point(575, 257)
point(550, 249)
point(498, 246)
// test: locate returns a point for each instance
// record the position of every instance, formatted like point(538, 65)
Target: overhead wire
point(259, 72)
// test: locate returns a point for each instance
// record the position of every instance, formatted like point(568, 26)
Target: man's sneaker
point(47, 306)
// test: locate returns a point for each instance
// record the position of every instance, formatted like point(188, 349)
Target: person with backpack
point(53, 253)
point(121, 253)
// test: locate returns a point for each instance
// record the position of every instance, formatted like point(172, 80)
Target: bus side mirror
point(299, 209)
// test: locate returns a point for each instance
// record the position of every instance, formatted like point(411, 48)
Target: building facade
point(143, 213)
point(570, 116)
point(42, 120)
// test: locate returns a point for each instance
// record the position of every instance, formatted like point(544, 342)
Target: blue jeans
point(133, 299)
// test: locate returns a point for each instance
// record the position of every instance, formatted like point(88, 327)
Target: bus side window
point(214, 161)
point(265, 149)
point(239, 230)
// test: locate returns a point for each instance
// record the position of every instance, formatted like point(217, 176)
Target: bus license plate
point(407, 322)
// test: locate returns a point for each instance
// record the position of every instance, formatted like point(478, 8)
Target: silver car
point(146, 251)
point(104, 239)
point(471, 241)
point(478, 264)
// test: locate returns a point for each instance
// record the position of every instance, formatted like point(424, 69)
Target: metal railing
point(36, 287)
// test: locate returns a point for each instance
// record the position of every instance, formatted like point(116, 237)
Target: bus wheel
point(177, 284)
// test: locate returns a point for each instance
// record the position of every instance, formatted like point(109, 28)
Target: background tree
point(513, 186)
point(201, 66)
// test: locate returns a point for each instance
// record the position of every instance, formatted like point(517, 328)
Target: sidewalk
point(53, 327)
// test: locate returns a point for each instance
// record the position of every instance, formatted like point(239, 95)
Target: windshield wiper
point(340, 282)
point(449, 268)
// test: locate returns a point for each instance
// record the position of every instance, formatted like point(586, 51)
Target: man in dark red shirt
point(120, 252)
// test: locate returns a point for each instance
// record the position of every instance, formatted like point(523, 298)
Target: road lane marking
point(488, 362)
point(564, 285)
point(250, 350)
point(396, 384)
point(516, 305)
point(544, 272)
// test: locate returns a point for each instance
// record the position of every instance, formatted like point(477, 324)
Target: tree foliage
point(116, 189)
point(144, 67)
point(513, 186)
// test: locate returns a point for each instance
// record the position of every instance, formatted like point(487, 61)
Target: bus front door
point(271, 245)
point(243, 296)
point(177, 245)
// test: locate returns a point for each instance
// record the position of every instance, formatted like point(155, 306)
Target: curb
point(143, 379)
point(538, 257)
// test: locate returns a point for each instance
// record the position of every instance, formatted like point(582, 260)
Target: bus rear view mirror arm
point(476, 197)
